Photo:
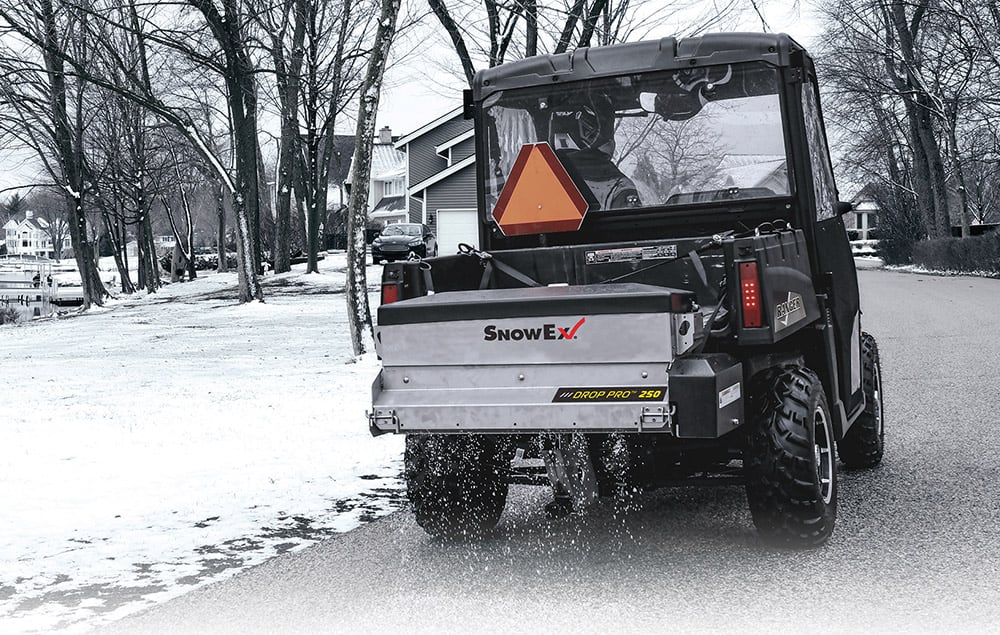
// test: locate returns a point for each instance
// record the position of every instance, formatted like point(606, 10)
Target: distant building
point(28, 235)
point(387, 184)
point(864, 217)
point(441, 179)
point(162, 244)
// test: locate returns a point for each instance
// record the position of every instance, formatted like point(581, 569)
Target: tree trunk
point(358, 310)
point(228, 30)
point(300, 242)
point(118, 248)
point(922, 179)
point(267, 229)
point(575, 13)
point(325, 147)
point(590, 23)
point(220, 246)
point(287, 76)
point(310, 172)
point(531, 28)
point(70, 157)
point(921, 114)
point(176, 260)
point(956, 164)
point(935, 164)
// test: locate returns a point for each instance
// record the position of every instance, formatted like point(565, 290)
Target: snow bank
point(176, 438)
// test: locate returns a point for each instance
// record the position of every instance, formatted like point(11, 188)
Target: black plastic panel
point(695, 387)
point(635, 57)
point(785, 280)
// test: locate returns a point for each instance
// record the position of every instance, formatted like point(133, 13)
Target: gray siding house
point(387, 184)
point(441, 179)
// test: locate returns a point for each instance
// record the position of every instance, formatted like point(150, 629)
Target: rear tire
point(864, 443)
point(457, 484)
point(791, 471)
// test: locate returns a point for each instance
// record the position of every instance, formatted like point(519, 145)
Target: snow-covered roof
point(753, 174)
point(387, 163)
point(397, 172)
point(21, 222)
point(390, 204)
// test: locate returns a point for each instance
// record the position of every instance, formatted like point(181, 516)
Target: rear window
point(649, 140)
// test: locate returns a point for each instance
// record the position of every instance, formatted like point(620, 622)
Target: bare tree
point(52, 108)
point(286, 26)
point(914, 83)
point(358, 309)
point(500, 31)
point(227, 55)
point(14, 205)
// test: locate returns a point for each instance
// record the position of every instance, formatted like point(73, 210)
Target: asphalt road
point(915, 549)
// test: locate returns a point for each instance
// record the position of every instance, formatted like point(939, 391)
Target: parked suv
point(399, 240)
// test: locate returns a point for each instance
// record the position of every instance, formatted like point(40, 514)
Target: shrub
point(9, 315)
point(899, 224)
point(972, 255)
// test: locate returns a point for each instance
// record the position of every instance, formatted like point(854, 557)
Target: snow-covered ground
point(171, 440)
point(938, 272)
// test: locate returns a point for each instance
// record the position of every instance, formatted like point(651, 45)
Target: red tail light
point(750, 292)
point(390, 292)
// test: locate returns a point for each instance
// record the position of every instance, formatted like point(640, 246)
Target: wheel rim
point(823, 454)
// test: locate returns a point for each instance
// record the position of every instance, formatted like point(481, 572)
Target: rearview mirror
point(843, 207)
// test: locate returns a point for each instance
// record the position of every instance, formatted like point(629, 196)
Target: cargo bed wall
point(662, 263)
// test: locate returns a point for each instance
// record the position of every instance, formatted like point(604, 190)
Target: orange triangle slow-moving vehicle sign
point(539, 196)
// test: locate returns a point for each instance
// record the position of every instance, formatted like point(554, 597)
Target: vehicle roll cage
point(795, 69)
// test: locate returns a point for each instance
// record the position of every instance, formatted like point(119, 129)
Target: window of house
point(393, 188)
point(859, 221)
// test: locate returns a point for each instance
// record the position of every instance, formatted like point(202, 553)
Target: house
point(387, 184)
point(162, 244)
point(864, 218)
point(441, 179)
point(28, 234)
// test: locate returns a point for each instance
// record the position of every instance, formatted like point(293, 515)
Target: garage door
point(456, 226)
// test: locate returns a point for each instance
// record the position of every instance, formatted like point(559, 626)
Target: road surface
point(917, 545)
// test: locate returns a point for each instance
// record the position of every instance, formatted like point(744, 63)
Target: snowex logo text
point(492, 333)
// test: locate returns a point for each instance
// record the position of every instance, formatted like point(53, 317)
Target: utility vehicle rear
point(663, 290)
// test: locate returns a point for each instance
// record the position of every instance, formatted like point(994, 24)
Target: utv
point(663, 292)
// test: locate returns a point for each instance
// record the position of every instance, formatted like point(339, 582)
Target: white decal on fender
point(789, 312)
point(729, 395)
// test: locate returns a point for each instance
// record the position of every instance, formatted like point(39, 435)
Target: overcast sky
point(425, 84)
point(421, 88)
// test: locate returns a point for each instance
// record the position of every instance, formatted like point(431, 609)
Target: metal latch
point(384, 418)
point(655, 416)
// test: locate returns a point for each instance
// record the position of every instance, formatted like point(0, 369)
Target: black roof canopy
point(637, 57)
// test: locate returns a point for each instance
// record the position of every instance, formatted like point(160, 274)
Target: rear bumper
point(695, 397)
